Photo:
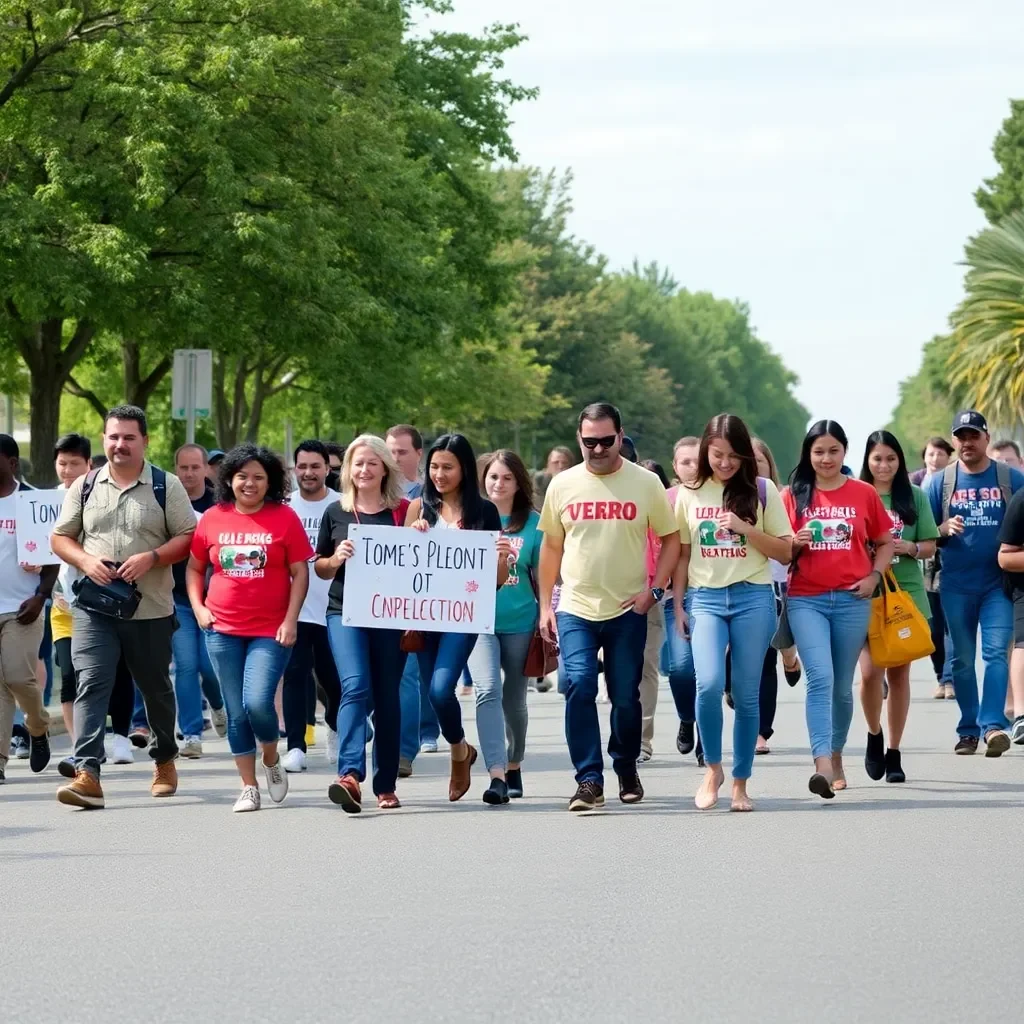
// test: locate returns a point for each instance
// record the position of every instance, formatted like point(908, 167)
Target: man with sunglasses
point(595, 522)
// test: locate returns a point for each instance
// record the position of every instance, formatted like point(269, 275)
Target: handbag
point(117, 599)
point(542, 654)
point(783, 638)
point(898, 632)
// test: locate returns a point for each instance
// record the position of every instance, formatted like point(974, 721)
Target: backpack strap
point(948, 486)
point(87, 486)
point(1003, 478)
point(762, 492)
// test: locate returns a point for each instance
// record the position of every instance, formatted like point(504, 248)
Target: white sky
point(817, 160)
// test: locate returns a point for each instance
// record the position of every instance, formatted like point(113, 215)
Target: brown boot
point(83, 791)
point(165, 779)
point(458, 784)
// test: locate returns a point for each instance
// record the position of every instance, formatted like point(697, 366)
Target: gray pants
point(96, 647)
point(493, 655)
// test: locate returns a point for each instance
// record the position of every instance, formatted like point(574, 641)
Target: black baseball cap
point(969, 419)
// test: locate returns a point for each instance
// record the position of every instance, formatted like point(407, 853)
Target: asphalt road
point(896, 903)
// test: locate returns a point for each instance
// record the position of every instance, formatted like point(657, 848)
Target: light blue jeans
point(249, 669)
point(993, 613)
point(682, 680)
point(193, 672)
point(830, 631)
point(739, 619)
point(501, 713)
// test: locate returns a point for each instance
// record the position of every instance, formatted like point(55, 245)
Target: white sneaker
point(332, 748)
point(122, 751)
point(219, 718)
point(428, 747)
point(248, 801)
point(277, 781)
point(293, 761)
point(191, 747)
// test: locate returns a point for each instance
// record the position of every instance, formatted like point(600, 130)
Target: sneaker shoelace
point(274, 770)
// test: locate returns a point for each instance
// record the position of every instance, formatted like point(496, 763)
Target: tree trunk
point(138, 389)
point(50, 362)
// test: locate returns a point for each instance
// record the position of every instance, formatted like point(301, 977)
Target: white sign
point(36, 514)
point(192, 383)
point(442, 581)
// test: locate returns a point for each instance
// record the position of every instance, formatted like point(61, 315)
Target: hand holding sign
point(36, 512)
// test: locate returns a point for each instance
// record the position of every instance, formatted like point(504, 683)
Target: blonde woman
point(370, 661)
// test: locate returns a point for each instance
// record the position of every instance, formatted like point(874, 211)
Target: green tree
point(926, 404)
point(987, 360)
point(1004, 193)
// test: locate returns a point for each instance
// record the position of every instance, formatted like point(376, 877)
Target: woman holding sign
point(370, 661)
point(452, 501)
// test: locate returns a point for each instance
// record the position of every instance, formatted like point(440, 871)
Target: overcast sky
point(817, 160)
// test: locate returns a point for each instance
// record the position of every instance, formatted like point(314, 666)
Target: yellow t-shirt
point(60, 618)
point(718, 557)
point(603, 521)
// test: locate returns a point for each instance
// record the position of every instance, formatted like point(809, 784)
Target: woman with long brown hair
point(731, 523)
point(506, 482)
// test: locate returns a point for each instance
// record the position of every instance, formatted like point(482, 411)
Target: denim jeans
point(830, 631)
point(501, 715)
point(993, 612)
point(739, 619)
point(682, 679)
point(249, 669)
point(192, 665)
point(312, 652)
point(622, 640)
point(442, 662)
point(419, 723)
point(370, 665)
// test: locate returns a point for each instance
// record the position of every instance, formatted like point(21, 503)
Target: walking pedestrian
point(595, 521)
point(914, 534)
point(731, 522)
point(841, 549)
point(130, 522)
point(260, 557)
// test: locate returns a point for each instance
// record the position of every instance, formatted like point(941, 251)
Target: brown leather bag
point(412, 641)
point(542, 655)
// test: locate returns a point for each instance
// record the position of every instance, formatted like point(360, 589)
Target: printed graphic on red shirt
point(243, 561)
point(717, 541)
point(831, 527)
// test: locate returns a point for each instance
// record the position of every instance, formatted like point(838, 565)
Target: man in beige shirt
point(123, 531)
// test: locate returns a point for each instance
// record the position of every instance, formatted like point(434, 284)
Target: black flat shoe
point(685, 738)
point(793, 674)
point(894, 767)
point(496, 793)
point(874, 756)
point(514, 781)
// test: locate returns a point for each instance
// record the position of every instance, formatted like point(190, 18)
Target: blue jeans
point(622, 640)
point(370, 665)
point(442, 662)
point(249, 669)
point(682, 679)
point(739, 619)
point(494, 656)
point(993, 612)
point(830, 631)
point(192, 664)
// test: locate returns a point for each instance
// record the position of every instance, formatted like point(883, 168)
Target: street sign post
point(191, 387)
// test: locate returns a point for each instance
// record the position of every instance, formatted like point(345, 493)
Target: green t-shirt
point(905, 568)
point(516, 608)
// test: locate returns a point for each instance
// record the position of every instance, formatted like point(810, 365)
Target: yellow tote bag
point(898, 632)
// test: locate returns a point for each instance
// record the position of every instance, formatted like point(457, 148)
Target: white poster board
point(442, 581)
point(36, 514)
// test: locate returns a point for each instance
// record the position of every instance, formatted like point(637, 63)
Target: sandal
point(387, 801)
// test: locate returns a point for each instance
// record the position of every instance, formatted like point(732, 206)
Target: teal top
point(516, 607)
point(906, 568)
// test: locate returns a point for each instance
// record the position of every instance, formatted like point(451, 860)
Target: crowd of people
point(218, 590)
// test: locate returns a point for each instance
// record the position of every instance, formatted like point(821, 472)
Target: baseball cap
point(214, 454)
point(969, 419)
point(629, 449)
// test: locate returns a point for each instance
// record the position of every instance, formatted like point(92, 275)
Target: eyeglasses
point(605, 442)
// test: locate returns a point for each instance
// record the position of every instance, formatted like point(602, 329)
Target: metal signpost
point(191, 387)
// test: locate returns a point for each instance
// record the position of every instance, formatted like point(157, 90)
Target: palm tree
point(987, 363)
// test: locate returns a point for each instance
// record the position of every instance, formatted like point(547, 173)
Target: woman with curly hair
point(260, 553)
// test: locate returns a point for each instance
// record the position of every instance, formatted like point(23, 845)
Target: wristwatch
point(658, 592)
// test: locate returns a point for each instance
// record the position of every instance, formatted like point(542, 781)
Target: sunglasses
point(605, 442)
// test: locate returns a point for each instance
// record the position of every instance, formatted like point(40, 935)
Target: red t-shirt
point(250, 556)
point(842, 521)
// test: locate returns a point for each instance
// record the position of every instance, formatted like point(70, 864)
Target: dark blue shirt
point(970, 562)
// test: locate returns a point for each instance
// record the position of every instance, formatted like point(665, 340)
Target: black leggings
point(122, 697)
point(768, 694)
